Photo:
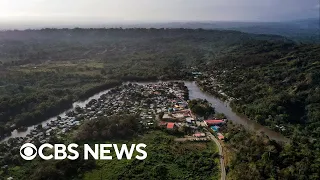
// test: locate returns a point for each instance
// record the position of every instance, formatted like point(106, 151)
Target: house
point(171, 126)
point(189, 119)
point(215, 128)
point(199, 135)
point(167, 117)
point(220, 136)
point(178, 116)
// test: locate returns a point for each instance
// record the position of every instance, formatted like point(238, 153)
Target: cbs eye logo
point(28, 151)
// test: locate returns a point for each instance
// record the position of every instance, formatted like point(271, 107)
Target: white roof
point(189, 119)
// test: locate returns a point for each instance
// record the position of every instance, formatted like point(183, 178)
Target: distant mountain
point(302, 30)
point(306, 30)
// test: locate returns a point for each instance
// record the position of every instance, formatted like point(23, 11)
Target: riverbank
point(148, 100)
point(223, 107)
point(194, 92)
point(21, 130)
point(214, 88)
point(103, 121)
point(60, 109)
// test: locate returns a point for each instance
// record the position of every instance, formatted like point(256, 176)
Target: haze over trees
point(274, 81)
point(43, 71)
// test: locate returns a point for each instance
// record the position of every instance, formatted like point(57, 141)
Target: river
point(194, 93)
point(15, 133)
point(223, 107)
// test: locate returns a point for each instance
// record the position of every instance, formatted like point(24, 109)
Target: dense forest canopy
point(274, 81)
point(43, 71)
point(304, 30)
point(68, 44)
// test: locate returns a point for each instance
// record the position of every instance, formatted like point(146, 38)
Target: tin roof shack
point(220, 136)
point(178, 116)
point(190, 120)
point(199, 135)
point(171, 126)
point(167, 117)
point(215, 128)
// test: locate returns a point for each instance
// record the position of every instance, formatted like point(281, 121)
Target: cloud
point(159, 10)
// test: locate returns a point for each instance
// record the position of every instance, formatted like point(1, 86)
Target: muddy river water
point(194, 92)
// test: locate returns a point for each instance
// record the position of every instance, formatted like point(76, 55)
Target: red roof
point(214, 122)
point(220, 136)
point(170, 125)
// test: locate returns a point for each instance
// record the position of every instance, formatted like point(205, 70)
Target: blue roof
point(215, 128)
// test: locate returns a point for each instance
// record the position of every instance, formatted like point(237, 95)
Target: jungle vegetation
point(274, 81)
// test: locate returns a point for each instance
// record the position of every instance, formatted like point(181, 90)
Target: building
point(189, 120)
point(167, 117)
point(171, 126)
point(220, 136)
point(199, 135)
point(215, 128)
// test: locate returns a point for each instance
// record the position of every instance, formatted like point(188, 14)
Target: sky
point(121, 11)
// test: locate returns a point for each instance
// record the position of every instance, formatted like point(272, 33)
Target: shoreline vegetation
point(273, 81)
point(64, 105)
point(167, 158)
point(230, 100)
point(60, 107)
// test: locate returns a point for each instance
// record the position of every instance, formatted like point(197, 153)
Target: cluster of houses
point(173, 120)
point(162, 104)
point(179, 115)
point(147, 100)
point(215, 126)
point(210, 82)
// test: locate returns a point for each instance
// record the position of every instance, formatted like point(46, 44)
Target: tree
point(160, 171)
point(201, 107)
point(103, 72)
point(220, 116)
point(161, 115)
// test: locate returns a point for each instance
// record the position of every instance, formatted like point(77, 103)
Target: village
point(159, 105)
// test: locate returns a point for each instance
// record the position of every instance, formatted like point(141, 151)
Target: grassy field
point(166, 160)
point(86, 67)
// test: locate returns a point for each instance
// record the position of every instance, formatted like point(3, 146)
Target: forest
point(273, 80)
point(276, 85)
point(201, 107)
point(43, 71)
point(256, 157)
point(166, 158)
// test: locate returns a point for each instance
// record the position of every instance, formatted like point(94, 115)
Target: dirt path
point(223, 169)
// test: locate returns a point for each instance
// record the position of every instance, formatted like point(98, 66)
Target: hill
point(304, 30)
point(272, 79)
